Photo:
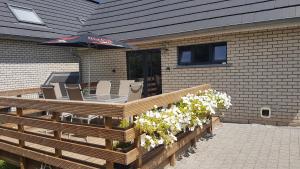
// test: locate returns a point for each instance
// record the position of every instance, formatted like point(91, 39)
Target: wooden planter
point(161, 156)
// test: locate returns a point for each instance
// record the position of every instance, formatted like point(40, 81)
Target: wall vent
point(265, 112)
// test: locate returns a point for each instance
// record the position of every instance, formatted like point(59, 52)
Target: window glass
point(220, 53)
point(26, 15)
point(186, 57)
point(201, 54)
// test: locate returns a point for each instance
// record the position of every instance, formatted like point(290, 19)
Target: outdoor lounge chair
point(124, 87)
point(103, 88)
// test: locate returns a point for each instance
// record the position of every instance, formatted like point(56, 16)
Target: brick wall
point(263, 70)
point(26, 64)
point(102, 64)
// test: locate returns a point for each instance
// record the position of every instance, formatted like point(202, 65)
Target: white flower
point(161, 125)
point(160, 141)
point(143, 143)
point(173, 137)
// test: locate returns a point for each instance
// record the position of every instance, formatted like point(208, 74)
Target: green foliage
point(122, 144)
point(124, 123)
point(5, 165)
point(85, 91)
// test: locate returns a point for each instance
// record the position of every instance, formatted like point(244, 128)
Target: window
point(215, 53)
point(26, 15)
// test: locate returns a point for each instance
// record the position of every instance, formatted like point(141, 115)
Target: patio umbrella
point(87, 40)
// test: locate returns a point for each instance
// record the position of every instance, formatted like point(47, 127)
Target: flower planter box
point(157, 156)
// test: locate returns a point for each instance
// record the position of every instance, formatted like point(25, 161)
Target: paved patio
point(246, 146)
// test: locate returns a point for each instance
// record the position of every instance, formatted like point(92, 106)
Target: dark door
point(145, 65)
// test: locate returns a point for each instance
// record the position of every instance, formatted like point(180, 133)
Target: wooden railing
point(22, 118)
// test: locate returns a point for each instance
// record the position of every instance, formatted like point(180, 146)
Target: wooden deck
point(27, 132)
point(87, 159)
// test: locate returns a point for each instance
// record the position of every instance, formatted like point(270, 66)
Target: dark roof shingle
point(133, 19)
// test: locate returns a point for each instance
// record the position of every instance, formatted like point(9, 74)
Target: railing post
point(57, 134)
point(210, 128)
point(193, 141)
point(172, 158)
point(108, 142)
point(21, 142)
point(137, 144)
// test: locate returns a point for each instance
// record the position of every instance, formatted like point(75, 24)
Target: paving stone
point(247, 146)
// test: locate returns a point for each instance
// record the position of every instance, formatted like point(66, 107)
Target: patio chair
point(57, 90)
point(48, 91)
point(103, 88)
point(135, 91)
point(124, 87)
point(53, 92)
point(74, 93)
point(58, 94)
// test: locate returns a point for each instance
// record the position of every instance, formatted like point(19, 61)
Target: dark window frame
point(193, 49)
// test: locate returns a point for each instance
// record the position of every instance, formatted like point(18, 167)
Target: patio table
point(113, 98)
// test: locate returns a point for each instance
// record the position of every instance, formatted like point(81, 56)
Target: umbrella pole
point(89, 80)
point(89, 85)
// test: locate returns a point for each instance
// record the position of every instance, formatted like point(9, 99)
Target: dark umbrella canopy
point(88, 40)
